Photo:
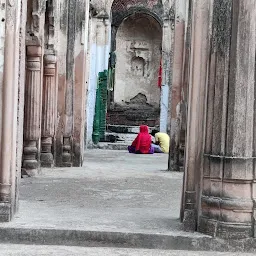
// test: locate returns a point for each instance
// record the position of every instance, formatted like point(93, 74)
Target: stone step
point(110, 146)
point(108, 239)
point(39, 250)
point(123, 137)
point(125, 129)
point(118, 137)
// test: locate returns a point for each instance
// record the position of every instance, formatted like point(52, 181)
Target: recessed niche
point(138, 66)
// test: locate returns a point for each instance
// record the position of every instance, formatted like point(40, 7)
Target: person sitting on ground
point(162, 142)
point(142, 143)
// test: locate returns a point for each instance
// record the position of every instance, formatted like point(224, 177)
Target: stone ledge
point(85, 238)
point(109, 146)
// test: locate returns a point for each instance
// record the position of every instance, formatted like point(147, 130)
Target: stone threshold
point(143, 240)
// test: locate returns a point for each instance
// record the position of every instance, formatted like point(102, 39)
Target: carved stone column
point(32, 111)
point(227, 196)
point(167, 62)
point(48, 110)
point(6, 131)
point(177, 99)
point(196, 111)
point(67, 149)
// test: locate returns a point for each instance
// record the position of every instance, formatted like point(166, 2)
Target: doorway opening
point(134, 94)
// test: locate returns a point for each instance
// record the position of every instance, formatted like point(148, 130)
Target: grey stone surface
point(113, 191)
point(33, 250)
point(115, 200)
point(120, 145)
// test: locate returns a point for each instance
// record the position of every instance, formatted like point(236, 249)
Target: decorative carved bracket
point(50, 24)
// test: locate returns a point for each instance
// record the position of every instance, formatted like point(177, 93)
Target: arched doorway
point(138, 50)
point(135, 98)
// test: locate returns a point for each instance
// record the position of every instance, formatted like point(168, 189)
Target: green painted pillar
point(99, 125)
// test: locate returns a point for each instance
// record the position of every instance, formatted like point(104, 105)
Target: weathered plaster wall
point(138, 54)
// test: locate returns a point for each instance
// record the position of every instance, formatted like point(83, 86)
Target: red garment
point(142, 142)
point(160, 75)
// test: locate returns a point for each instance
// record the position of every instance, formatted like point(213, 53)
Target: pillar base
point(5, 212)
point(189, 220)
point(30, 162)
point(225, 230)
point(173, 167)
point(30, 172)
point(47, 160)
point(67, 149)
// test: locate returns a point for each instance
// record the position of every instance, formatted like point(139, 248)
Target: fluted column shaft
point(227, 198)
point(32, 110)
point(48, 110)
point(7, 122)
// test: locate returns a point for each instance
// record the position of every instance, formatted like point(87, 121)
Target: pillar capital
point(34, 51)
point(50, 59)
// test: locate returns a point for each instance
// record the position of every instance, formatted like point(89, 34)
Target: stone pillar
point(196, 113)
point(67, 155)
point(80, 83)
point(167, 63)
point(48, 111)
point(227, 205)
point(177, 86)
point(10, 44)
point(7, 130)
point(32, 110)
point(21, 75)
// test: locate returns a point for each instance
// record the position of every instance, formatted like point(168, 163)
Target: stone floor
point(113, 191)
point(115, 200)
point(32, 250)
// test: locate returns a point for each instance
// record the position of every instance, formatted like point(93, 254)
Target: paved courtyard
point(113, 191)
point(115, 200)
point(30, 250)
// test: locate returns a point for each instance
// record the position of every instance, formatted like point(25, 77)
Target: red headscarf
point(142, 142)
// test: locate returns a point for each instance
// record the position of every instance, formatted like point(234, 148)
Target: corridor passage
point(113, 191)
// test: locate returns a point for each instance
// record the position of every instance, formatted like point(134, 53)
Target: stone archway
point(138, 54)
point(135, 91)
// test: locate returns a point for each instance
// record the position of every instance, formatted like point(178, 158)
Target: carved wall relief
point(141, 57)
point(138, 66)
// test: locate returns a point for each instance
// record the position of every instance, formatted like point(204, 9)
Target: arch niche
point(138, 52)
point(136, 41)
